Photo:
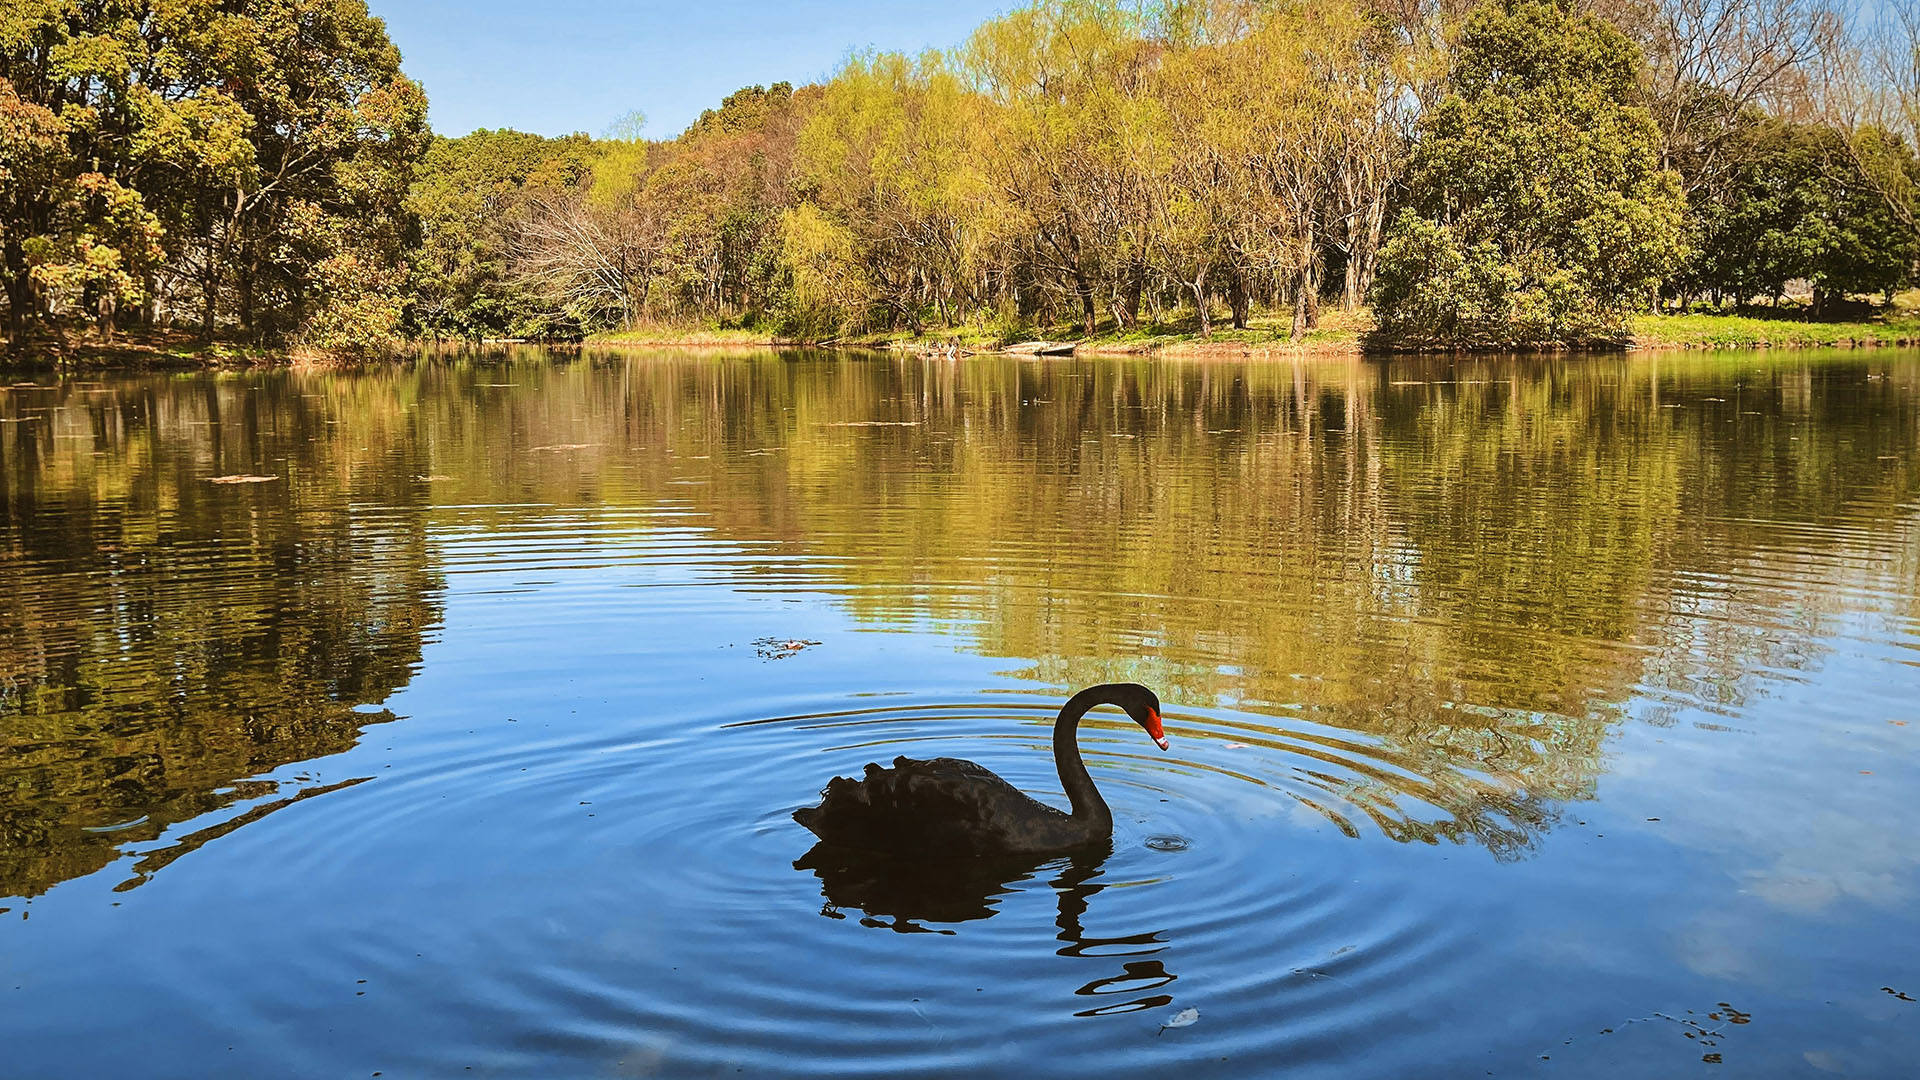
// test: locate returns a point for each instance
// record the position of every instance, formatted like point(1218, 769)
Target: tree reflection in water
point(166, 643)
point(1431, 590)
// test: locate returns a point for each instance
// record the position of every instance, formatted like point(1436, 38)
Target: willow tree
point(889, 153)
point(1078, 146)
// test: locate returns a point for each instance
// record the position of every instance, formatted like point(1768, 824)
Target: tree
point(1539, 212)
point(233, 163)
point(33, 160)
point(466, 193)
point(889, 154)
point(1797, 207)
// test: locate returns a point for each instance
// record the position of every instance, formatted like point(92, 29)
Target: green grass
point(1897, 326)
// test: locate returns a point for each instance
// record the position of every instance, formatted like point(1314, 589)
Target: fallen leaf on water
point(1183, 1018)
point(241, 479)
point(1236, 746)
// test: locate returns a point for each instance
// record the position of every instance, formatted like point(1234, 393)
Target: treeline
point(1521, 171)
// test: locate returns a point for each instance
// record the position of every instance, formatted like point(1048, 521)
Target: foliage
point(1798, 207)
point(465, 192)
point(1506, 174)
point(1544, 216)
point(239, 165)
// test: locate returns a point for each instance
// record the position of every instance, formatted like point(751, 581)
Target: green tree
point(465, 194)
point(240, 164)
point(1796, 205)
point(1539, 213)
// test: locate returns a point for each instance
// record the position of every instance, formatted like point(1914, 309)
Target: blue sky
point(558, 66)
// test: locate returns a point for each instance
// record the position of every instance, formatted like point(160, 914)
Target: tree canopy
point(1539, 208)
point(239, 164)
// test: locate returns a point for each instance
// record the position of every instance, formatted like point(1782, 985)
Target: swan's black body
point(946, 808)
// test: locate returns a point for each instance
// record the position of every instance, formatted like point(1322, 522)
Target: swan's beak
point(1154, 729)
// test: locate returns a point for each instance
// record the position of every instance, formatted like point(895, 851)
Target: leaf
point(1184, 1018)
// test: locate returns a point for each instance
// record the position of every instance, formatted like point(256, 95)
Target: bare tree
point(1712, 62)
point(587, 258)
point(1869, 89)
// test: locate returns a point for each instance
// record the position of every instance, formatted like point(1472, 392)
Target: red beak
point(1154, 729)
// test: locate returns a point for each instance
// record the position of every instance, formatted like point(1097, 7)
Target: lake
point(1549, 716)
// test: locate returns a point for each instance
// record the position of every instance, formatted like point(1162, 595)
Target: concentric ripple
point(669, 924)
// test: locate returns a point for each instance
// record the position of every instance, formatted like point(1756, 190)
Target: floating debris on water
point(1184, 1018)
point(771, 648)
point(241, 478)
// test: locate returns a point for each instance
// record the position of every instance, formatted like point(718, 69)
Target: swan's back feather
point(941, 807)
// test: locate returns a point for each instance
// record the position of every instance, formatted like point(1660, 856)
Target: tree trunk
point(1128, 312)
point(1089, 314)
point(1313, 293)
point(1304, 286)
point(1199, 287)
point(1369, 257)
point(246, 298)
point(209, 289)
point(1238, 297)
point(20, 309)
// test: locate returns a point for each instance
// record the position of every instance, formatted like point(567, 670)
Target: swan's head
point(1142, 704)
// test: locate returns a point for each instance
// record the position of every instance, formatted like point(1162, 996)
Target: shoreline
point(1655, 334)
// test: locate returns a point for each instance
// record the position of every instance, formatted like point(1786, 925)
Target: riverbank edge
point(1653, 333)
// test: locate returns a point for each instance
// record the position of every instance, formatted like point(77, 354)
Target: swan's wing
point(941, 806)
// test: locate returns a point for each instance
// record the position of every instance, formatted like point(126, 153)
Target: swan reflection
point(917, 896)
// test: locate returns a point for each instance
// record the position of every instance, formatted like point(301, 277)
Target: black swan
point(952, 808)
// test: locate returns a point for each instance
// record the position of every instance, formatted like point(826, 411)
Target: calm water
point(1553, 718)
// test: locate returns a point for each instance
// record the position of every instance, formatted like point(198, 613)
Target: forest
point(1501, 174)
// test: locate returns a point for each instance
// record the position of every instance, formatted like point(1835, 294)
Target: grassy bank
point(152, 349)
point(1339, 333)
point(671, 334)
point(1898, 326)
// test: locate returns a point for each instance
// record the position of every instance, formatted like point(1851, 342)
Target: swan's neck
point(1088, 806)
